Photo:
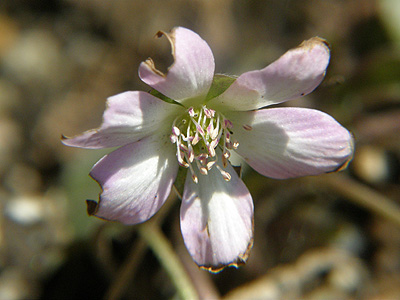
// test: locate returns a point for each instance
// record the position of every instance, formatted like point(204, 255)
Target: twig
point(128, 268)
point(168, 258)
point(361, 194)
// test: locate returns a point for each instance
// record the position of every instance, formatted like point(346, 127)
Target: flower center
point(197, 133)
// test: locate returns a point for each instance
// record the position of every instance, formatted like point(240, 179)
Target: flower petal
point(136, 179)
point(291, 142)
point(128, 117)
point(217, 220)
point(191, 73)
point(297, 73)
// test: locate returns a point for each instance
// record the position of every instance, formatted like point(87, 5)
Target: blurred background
point(335, 236)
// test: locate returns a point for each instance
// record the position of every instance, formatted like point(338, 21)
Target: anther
point(194, 178)
point(209, 112)
point(247, 127)
point(191, 112)
point(196, 138)
point(181, 162)
point(211, 150)
point(210, 164)
point(235, 144)
point(190, 154)
point(224, 161)
point(173, 138)
point(225, 175)
point(176, 131)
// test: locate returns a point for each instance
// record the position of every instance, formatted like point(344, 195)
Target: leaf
point(219, 85)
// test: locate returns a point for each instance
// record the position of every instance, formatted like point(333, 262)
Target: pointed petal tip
point(66, 140)
point(63, 138)
point(92, 207)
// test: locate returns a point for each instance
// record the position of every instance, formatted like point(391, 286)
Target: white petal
point(291, 142)
point(128, 117)
point(296, 73)
point(136, 180)
point(217, 219)
point(191, 73)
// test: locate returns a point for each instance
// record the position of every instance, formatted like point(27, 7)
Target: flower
point(193, 120)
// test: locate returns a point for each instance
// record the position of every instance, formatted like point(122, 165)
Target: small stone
point(25, 210)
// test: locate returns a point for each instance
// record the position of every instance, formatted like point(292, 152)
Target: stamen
point(194, 176)
point(191, 112)
point(183, 147)
point(235, 144)
point(211, 151)
point(203, 170)
point(247, 127)
point(224, 161)
point(198, 127)
point(226, 154)
point(190, 153)
point(210, 128)
point(225, 175)
point(215, 132)
point(196, 138)
point(181, 161)
point(176, 131)
point(209, 112)
point(202, 158)
point(173, 138)
point(227, 124)
point(210, 164)
point(197, 135)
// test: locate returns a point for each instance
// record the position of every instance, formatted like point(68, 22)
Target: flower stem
point(362, 195)
point(127, 271)
point(159, 244)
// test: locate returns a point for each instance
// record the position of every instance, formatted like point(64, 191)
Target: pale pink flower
point(194, 119)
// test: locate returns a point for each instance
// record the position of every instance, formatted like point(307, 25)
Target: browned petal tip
point(159, 34)
point(240, 261)
point(150, 64)
point(91, 207)
point(314, 41)
point(216, 269)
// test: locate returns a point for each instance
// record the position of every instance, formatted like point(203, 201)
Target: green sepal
point(179, 183)
point(164, 98)
point(219, 85)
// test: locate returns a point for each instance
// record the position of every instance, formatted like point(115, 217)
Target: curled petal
point(136, 179)
point(217, 219)
point(128, 117)
point(296, 73)
point(191, 73)
point(291, 142)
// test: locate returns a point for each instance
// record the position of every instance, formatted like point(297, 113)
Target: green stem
point(362, 195)
point(127, 271)
point(159, 244)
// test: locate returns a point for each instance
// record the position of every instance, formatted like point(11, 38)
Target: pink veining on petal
point(135, 186)
point(128, 117)
point(291, 142)
point(217, 220)
point(191, 73)
point(296, 73)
